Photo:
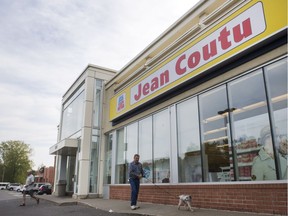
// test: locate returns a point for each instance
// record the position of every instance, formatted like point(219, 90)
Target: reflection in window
point(215, 130)
point(276, 78)
point(161, 150)
point(189, 156)
point(250, 116)
point(145, 148)
point(72, 114)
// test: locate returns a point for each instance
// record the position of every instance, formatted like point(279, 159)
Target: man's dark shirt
point(135, 169)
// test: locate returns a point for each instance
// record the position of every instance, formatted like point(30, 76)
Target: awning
point(67, 147)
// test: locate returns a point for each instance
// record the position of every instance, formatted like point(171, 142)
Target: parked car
point(19, 188)
point(36, 187)
point(45, 189)
point(13, 186)
point(3, 185)
point(22, 189)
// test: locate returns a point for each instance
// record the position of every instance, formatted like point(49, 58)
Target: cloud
point(45, 45)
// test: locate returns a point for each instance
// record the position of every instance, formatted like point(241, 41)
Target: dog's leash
point(161, 188)
point(157, 186)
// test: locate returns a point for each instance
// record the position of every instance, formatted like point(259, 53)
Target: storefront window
point(161, 147)
point(252, 151)
point(131, 144)
point(276, 79)
point(145, 148)
point(108, 159)
point(120, 172)
point(215, 135)
point(240, 125)
point(189, 155)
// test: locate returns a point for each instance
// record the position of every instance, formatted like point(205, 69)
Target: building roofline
point(159, 38)
point(82, 73)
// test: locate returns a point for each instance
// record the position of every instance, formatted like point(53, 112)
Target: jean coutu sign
point(246, 27)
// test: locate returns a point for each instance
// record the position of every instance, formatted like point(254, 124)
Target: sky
point(46, 44)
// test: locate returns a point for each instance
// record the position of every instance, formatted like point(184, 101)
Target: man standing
point(28, 188)
point(135, 174)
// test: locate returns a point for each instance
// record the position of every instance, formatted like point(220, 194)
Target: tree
point(14, 161)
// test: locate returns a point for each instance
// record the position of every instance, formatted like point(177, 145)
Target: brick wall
point(49, 174)
point(260, 198)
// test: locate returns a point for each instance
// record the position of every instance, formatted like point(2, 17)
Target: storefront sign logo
point(121, 102)
point(236, 32)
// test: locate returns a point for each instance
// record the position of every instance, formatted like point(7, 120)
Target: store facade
point(205, 106)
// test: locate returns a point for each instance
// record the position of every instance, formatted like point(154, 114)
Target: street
point(10, 201)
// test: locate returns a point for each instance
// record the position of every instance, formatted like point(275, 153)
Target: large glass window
point(120, 172)
point(131, 144)
point(161, 147)
point(94, 164)
point(70, 173)
point(240, 125)
point(108, 159)
point(97, 103)
point(189, 155)
point(276, 77)
point(94, 153)
point(250, 123)
point(72, 114)
point(215, 135)
point(145, 148)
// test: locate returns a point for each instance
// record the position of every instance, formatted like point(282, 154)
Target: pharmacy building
point(204, 105)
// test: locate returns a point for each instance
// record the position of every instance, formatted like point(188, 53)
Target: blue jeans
point(134, 184)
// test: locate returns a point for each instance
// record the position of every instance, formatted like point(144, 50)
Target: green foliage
point(14, 161)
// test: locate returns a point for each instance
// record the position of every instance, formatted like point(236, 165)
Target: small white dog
point(186, 200)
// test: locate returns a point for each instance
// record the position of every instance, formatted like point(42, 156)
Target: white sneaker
point(133, 207)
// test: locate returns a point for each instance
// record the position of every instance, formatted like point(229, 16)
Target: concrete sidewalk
point(121, 206)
